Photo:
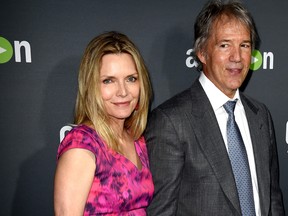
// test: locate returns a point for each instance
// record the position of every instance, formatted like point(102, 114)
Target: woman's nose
point(122, 89)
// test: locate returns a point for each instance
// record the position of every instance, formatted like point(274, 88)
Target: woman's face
point(120, 86)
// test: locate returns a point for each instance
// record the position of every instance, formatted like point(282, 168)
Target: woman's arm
point(73, 179)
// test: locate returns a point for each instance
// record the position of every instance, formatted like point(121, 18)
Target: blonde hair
point(89, 107)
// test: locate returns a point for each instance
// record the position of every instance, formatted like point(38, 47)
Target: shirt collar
point(215, 96)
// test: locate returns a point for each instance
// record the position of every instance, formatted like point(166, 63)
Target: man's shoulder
point(180, 100)
point(252, 103)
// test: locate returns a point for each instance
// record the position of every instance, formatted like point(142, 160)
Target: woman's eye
point(107, 81)
point(132, 79)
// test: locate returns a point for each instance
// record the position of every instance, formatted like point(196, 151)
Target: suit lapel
point(210, 139)
point(260, 150)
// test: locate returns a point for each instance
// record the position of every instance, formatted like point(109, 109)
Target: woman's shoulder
point(141, 141)
point(80, 136)
point(80, 133)
point(82, 129)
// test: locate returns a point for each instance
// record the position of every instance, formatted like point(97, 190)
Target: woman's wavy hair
point(89, 107)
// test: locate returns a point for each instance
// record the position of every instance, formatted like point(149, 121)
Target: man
point(195, 167)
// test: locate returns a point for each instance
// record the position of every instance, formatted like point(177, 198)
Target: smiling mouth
point(234, 70)
point(122, 103)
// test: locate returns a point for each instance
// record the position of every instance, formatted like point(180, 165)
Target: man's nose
point(235, 55)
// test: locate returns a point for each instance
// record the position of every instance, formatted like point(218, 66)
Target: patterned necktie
point(239, 162)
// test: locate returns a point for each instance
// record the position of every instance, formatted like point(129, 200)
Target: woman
point(103, 166)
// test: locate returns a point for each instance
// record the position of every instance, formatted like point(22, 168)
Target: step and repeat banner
point(41, 44)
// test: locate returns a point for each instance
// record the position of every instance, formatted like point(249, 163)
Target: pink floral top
point(118, 188)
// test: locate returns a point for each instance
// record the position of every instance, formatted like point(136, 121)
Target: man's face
point(227, 55)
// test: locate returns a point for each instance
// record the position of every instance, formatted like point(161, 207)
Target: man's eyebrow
point(247, 41)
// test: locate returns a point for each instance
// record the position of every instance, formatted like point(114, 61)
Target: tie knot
point(229, 106)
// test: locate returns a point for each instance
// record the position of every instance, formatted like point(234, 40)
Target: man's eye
point(246, 45)
point(223, 45)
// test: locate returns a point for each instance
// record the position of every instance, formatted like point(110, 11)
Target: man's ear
point(201, 56)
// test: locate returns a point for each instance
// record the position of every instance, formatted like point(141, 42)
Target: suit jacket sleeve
point(265, 153)
point(277, 207)
point(166, 160)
